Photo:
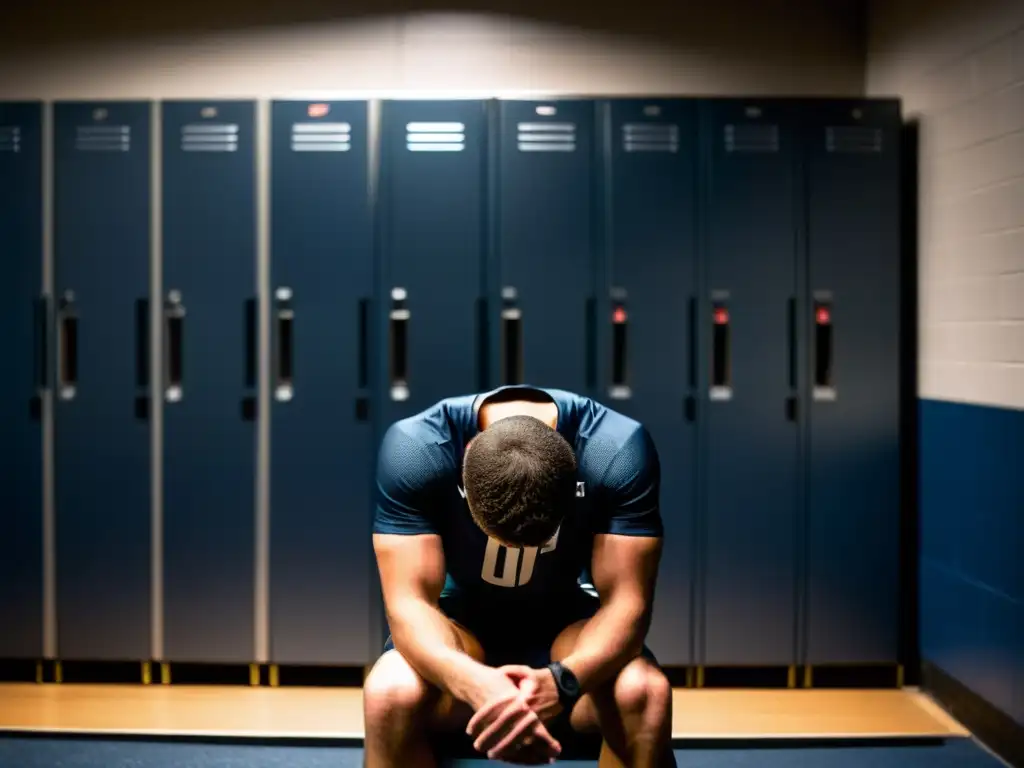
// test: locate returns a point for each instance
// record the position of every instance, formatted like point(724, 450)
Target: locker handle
point(67, 346)
point(824, 348)
point(362, 404)
point(142, 359)
point(620, 354)
point(251, 353)
point(41, 322)
point(41, 351)
point(398, 346)
point(511, 339)
point(250, 343)
point(142, 344)
point(363, 361)
point(690, 401)
point(483, 353)
point(791, 333)
point(174, 326)
point(692, 326)
point(791, 327)
point(721, 351)
point(590, 364)
point(284, 387)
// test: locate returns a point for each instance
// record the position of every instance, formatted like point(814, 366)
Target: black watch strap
point(568, 686)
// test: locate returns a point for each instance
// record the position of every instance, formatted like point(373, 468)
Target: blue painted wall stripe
point(972, 531)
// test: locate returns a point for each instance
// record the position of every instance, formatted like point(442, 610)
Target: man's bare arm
point(624, 571)
point(412, 573)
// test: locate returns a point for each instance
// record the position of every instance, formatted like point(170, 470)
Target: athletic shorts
point(512, 634)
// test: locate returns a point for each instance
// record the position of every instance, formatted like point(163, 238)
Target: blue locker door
point(22, 328)
point(649, 371)
point(101, 426)
point(210, 381)
point(853, 308)
point(546, 250)
point(433, 235)
point(432, 243)
point(321, 443)
point(751, 443)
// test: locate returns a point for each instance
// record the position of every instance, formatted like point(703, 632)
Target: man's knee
point(394, 692)
point(642, 687)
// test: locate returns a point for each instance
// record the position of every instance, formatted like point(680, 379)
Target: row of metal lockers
point(211, 311)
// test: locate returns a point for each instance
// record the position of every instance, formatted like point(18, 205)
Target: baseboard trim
point(990, 725)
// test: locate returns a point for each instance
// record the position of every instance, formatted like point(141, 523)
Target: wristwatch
point(568, 686)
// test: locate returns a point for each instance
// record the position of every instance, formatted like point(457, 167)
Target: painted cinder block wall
point(958, 65)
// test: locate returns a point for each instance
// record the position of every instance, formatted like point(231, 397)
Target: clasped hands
point(512, 705)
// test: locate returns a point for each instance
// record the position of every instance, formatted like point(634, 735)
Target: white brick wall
point(959, 66)
point(647, 47)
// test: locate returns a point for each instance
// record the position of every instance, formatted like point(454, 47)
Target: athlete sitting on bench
point(514, 529)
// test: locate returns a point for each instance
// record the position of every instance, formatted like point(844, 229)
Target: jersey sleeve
point(408, 467)
point(632, 489)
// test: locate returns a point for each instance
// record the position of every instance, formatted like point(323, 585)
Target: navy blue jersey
point(419, 491)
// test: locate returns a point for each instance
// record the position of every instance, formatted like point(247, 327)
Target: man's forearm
point(424, 636)
point(611, 638)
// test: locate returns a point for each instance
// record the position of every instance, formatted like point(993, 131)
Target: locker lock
point(824, 342)
point(620, 389)
point(721, 350)
point(511, 337)
point(399, 317)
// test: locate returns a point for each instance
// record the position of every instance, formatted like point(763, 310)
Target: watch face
point(569, 682)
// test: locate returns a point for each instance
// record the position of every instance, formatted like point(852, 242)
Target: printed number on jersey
point(512, 566)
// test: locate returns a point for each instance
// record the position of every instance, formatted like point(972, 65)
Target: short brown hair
point(520, 479)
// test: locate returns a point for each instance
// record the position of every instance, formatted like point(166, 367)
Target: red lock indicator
point(619, 316)
point(721, 316)
point(823, 316)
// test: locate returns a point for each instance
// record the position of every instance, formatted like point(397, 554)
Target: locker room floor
point(82, 726)
point(78, 753)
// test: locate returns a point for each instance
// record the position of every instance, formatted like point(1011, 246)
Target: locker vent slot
point(321, 137)
point(650, 137)
point(435, 137)
point(10, 138)
point(209, 137)
point(751, 137)
point(103, 138)
point(547, 137)
point(853, 139)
